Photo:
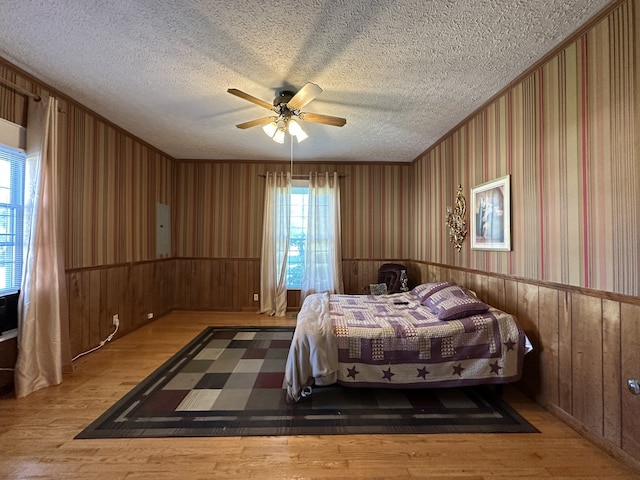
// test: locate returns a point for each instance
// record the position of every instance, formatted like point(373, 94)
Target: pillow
point(423, 291)
point(453, 302)
point(378, 288)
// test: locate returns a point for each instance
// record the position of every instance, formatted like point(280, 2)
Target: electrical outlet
point(116, 320)
point(255, 297)
point(149, 316)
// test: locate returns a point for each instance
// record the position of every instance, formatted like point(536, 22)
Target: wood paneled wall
point(360, 273)
point(229, 283)
point(218, 208)
point(586, 346)
point(586, 343)
point(216, 283)
point(131, 290)
point(567, 134)
point(112, 183)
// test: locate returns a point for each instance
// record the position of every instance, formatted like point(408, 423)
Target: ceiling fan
point(286, 106)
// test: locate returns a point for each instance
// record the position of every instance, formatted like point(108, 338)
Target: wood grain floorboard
point(37, 432)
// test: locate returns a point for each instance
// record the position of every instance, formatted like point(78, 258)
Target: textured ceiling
point(403, 72)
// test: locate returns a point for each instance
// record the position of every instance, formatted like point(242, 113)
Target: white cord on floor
point(102, 344)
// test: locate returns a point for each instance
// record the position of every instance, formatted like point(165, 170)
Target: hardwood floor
point(36, 433)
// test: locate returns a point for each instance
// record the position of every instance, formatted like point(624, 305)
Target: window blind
point(11, 217)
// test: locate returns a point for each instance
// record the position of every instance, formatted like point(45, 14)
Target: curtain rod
point(300, 175)
point(19, 89)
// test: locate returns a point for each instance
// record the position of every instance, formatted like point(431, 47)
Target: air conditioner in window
point(8, 312)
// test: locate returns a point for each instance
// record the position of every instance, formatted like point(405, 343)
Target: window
point(11, 217)
point(297, 233)
point(301, 239)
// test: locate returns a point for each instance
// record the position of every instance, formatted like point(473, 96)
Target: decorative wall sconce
point(455, 220)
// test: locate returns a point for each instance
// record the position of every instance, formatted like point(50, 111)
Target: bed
point(435, 335)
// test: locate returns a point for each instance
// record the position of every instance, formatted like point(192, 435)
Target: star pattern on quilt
point(457, 369)
point(352, 372)
point(387, 374)
point(509, 344)
point(495, 368)
point(423, 372)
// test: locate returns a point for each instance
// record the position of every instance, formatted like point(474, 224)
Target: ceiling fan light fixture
point(294, 127)
point(270, 129)
point(301, 136)
point(278, 137)
point(286, 105)
point(296, 130)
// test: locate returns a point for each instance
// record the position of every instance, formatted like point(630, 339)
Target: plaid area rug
point(229, 382)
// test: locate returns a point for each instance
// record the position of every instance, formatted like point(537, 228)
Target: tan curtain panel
point(43, 327)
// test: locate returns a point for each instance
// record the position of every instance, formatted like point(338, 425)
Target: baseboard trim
point(611, 449)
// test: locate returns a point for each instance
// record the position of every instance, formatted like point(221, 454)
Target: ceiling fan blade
point(307, 93)
point(251, 98)
point(325, 119)
point(257, 122)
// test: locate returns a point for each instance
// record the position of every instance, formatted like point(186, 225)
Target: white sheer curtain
point(43, 327)
point(323, 257)
point(275, 244)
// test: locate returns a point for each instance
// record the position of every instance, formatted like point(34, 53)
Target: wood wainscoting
point(586, 346)
point(131, 291)
point(224, 284)
point(358, 274)
point(230, 283)
point(586, 343)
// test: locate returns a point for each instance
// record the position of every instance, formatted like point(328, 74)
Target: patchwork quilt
point(398, 341)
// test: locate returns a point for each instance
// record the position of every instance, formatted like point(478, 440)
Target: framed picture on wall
point(491, 215)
